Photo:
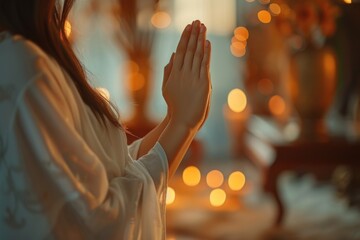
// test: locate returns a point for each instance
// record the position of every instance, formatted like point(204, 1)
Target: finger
point(199, 53)
point(191, 47)
point(205, 64)
point(181, 48)
point(167, 70)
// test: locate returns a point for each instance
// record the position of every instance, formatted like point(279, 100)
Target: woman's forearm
point(175, 140)
point(152, 137)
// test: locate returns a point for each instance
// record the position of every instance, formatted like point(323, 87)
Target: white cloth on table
point(63, 174)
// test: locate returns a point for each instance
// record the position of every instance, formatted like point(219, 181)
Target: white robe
point(63, 175)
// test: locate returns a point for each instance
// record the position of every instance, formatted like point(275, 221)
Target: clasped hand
point(187, 85)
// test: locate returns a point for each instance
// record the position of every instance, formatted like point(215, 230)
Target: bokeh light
point(329, 65)
point(191, 176)
point(237, 100)
point(170, 196)
point(217, 197)
point(67, 28)
point(136, 81)
point(241, 33)
point(275, 8)
point(236, 181)
point(264, 16)
point(214, 179)
point(237, 52)
point(348, 1)
point(161, 20)
point(277, 105)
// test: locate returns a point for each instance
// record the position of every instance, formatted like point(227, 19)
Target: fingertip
point(207, 44)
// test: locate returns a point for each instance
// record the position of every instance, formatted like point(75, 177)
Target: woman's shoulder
point(19, 58)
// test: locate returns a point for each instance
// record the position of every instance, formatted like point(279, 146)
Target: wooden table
point(270, 149)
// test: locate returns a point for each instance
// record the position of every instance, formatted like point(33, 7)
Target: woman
point(65, 169)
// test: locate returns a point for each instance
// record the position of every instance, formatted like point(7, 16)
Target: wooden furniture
point(271, 148)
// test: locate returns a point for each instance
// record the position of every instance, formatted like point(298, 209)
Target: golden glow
point(136, 81)
point(170, 196)
point(161, 19)
point(265, 86)
point(329, 65)
point(217, 197)
point(348, 1)
point(191, 176)
point(214, 179)
point(236, 181)
point(237, 52)
point(236, 42)
point(264, 16)
point(237, 100)
point(277, 105)
point(67, 28)
point(104, 92)
point(132, 66)
point(241, 33)
point(275, 8)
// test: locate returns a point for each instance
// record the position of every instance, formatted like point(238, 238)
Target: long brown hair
point(42, 21)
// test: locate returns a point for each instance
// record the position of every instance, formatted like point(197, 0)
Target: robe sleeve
point(71, 183)
point(134, 148)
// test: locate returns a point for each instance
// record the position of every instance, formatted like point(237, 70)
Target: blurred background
point(279, 156)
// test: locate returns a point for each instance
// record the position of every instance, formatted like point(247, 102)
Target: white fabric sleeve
point(156, 163)
point(70, 181)
point(134, 148)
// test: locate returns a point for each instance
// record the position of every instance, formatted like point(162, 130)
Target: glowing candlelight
point(264, 16)
point(217, 197)
point(241, 33)
point(161, 19)
point(214, 179)
point(275, 8)
point(348, 1)
point(236, 181)
point(170, 196)
point(191, 176)
point(277, 105)
point(237, 100)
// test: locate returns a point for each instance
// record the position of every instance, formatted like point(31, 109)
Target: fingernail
point(207, 43)
point(202, 28)
point(188, 27)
